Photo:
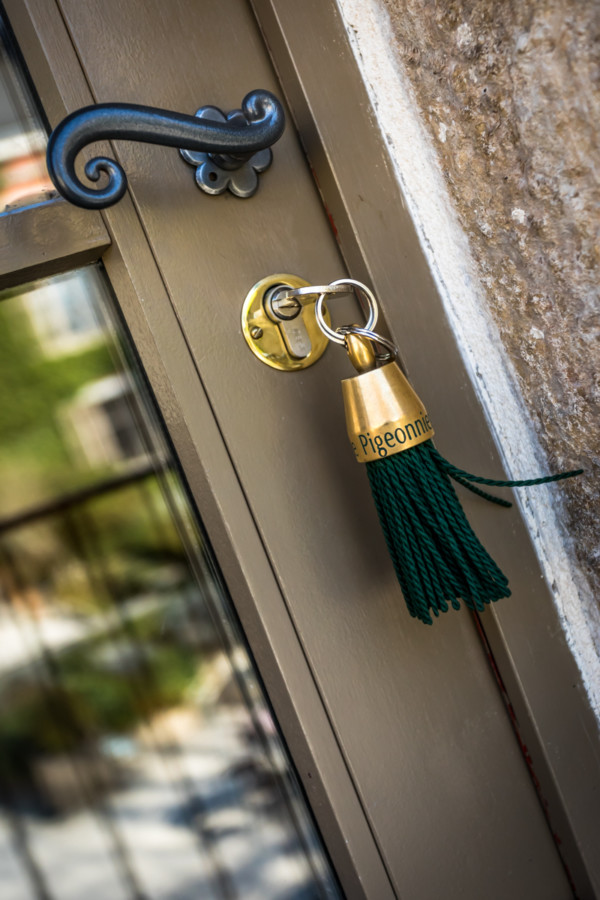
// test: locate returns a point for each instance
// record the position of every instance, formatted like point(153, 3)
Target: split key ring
point(372, 307)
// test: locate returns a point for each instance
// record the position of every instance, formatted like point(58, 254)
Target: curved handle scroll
point(126, 121)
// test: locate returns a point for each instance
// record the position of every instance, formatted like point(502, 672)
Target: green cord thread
point(437, 556)
point(461, 477)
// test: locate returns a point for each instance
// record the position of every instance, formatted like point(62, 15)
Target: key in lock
point(282, 331)
point(288, 315)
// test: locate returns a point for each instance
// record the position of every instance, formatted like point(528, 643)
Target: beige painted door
point(399, 732)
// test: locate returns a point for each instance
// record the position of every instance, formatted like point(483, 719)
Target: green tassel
point(437, 556)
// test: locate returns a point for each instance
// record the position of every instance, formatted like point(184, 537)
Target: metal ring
point(283, 293)
point(372, 335)
point(371, 304)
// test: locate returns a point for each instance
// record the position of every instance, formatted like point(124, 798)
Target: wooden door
point(399, 733)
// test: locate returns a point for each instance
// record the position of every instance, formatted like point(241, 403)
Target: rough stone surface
point(510, 93)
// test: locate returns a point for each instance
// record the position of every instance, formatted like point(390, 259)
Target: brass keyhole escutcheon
point(285, 338)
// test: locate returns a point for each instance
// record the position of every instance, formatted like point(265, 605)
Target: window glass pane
point(138, 755)
point(23, 176)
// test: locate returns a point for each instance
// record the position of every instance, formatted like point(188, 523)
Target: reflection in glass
point(23, 176)
point(138, 758)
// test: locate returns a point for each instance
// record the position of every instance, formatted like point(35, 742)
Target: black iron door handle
point(229, 142)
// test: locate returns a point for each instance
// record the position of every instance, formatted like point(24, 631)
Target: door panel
point(416, 711)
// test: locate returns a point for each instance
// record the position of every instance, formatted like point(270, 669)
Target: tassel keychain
point(437, 556)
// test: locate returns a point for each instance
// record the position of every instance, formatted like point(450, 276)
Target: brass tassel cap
point(384, 415)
